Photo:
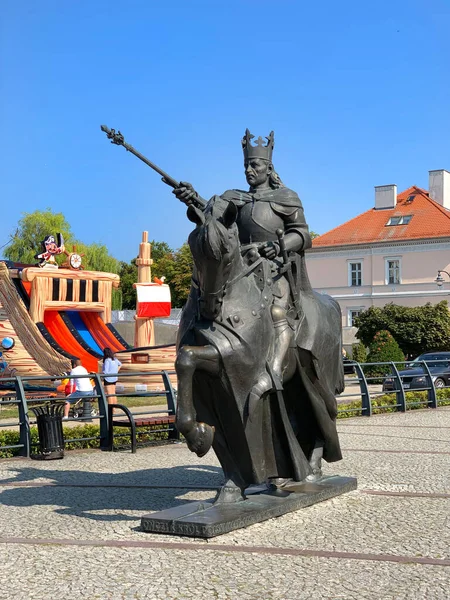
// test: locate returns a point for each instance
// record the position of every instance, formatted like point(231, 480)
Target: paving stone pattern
point(70, 528)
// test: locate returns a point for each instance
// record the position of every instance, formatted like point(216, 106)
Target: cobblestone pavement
point(70, 528)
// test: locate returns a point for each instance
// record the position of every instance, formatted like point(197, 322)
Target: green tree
point(417, 329)
point(359, 352)
point(159, 250)
point(181, 275)
point(383, 348)
point(31, 230)
point(34, 227)
point(163, 265)
point(128, 276)
point(313, 234)
point(97, 258)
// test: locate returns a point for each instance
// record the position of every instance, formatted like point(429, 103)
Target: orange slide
point(61, 333)
point(101, 334)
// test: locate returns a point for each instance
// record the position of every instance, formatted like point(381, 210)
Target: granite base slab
point(207, 519)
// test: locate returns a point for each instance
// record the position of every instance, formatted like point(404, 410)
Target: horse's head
point(215, 247)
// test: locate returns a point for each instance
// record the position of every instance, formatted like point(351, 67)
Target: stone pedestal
point(208, 519)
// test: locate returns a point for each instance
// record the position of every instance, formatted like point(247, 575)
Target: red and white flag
point(153, 300)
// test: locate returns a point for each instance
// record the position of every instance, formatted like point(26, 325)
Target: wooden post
point(144, 260)
point(144, 331)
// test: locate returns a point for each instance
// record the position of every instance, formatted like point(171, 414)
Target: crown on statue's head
point(260, 150)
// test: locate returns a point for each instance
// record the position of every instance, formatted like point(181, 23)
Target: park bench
point(134, 422)
point(162, 417)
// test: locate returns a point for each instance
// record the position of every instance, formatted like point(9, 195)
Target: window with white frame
point(353, 313)
point(354, 274)
point(393, 276)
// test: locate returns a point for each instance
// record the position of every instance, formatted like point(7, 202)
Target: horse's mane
point(212, 238)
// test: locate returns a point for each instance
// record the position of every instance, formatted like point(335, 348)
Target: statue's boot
point(267, 383)
point(276, 486)
point(200, 438)
point(316, 462)
point(229, 493)
point(278, 482)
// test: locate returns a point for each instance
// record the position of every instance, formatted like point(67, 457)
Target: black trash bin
point(50, 431)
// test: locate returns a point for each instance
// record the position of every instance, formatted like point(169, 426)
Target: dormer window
point(400, 220)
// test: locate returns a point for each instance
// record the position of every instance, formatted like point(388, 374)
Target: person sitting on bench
point(83, 386)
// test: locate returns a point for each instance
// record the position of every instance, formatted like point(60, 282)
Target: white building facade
point(390, 254)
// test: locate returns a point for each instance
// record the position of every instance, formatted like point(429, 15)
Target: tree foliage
point(128, 275)
point(417, 329)
point(383, 348)
point(175, 265)
point(359, 352)
point(97, 258)
point(180, 279)
point(34, 227)
point(31, 230)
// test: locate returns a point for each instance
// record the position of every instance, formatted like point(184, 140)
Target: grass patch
point(131, 401)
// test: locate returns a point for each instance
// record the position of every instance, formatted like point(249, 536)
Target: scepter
point(118, 139)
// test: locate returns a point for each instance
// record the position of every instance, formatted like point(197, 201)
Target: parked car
point(414, 376)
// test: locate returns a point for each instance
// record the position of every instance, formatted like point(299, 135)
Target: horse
point(225, 340)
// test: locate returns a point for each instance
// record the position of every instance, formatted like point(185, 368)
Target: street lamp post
point(439, 279)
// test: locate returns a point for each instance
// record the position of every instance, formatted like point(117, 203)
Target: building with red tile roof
point(390, 253)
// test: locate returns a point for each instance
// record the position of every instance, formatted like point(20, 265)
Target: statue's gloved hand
point(185, 192)
point(269, 250)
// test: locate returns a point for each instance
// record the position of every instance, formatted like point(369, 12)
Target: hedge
point(145, 436)
point(414, 400)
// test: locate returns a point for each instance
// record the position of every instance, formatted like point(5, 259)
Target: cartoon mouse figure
point(51, 250)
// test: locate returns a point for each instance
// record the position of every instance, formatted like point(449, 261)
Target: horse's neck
point(241, 290)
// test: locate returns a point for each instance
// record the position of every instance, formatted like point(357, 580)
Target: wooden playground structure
point(55, 314)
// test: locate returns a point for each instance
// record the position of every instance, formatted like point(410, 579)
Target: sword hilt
point(284, 254)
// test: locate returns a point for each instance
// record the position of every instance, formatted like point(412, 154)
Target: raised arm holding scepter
point(184, 191)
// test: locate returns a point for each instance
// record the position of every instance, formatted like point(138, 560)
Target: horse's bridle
point(221, 292)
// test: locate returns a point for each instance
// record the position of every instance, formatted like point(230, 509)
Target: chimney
point(385, 196)
point(439, 187)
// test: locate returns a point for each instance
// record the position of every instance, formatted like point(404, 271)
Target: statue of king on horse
point(259, 352)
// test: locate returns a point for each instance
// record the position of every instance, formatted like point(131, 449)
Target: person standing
point(83, 385)
point(111, 366)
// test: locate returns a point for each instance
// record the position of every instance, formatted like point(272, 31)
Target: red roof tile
point(428, 220)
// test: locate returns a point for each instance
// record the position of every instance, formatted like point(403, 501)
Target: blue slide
point(79, 325)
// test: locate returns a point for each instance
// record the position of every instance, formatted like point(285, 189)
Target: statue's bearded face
point(257, 171)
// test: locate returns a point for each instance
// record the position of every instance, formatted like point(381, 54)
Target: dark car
point(414, 377)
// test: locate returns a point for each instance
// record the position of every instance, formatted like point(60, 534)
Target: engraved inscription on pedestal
point(206, 519)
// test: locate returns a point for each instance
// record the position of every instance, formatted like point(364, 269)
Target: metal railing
point(24, 391)
point(391, 384)
point(371, 382)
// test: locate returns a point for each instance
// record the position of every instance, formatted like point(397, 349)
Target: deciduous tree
point(416, 329)
point(31, 230)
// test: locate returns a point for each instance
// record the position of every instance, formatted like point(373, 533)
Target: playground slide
point(32, 354)
point(100, 332)
point(62, 335)
point(118, 337)
point(81, 333)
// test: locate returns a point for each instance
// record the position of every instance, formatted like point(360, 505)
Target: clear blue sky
point(358, 94)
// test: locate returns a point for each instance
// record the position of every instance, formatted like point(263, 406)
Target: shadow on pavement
point(121, 492)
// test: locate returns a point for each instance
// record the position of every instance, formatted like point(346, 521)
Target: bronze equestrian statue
point(259, 359)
